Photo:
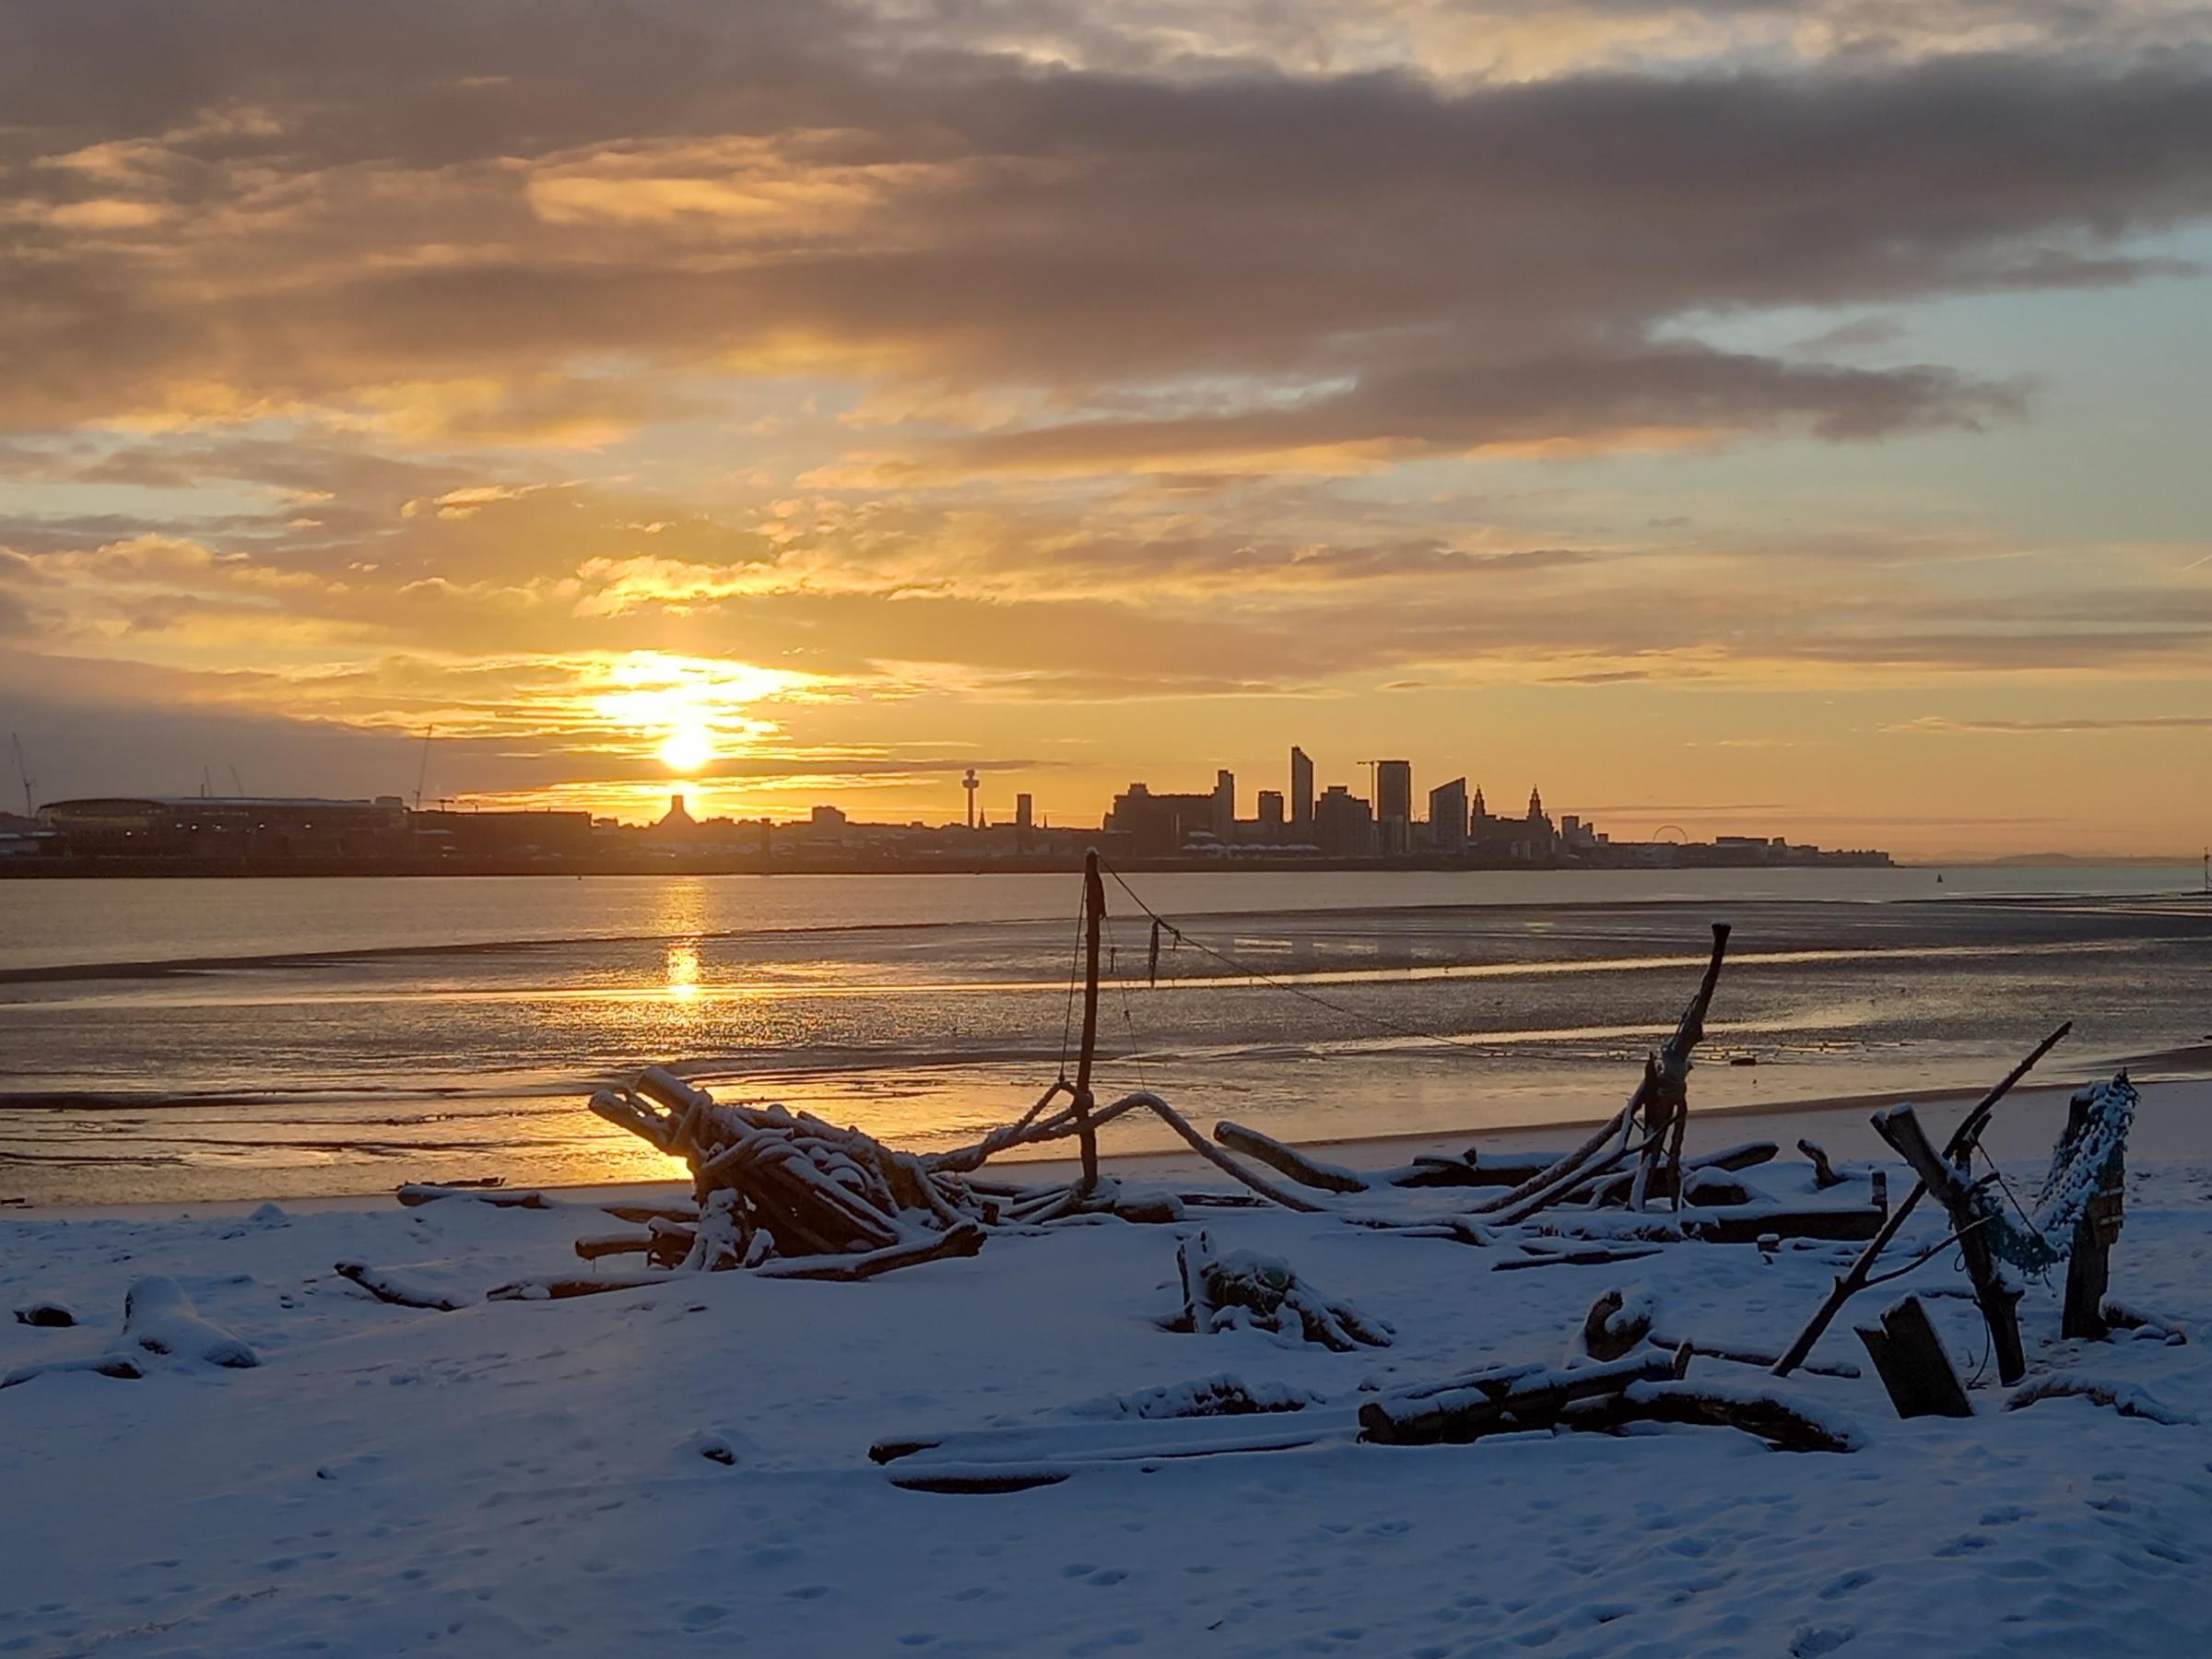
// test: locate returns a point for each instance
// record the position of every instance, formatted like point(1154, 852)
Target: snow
point(685, 1467)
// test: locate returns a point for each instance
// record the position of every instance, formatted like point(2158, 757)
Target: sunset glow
point(894, 391)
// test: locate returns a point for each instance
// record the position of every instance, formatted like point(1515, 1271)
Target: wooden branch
point(607, 1244)
point(1742, 1356)
point(1999, 1301)
point(386, 1289)
point(1824, 1172)
point(639, 1214)
point(1576, 1258)
point(962, 1241)
point(1287, 1160)
point(1853, 1280)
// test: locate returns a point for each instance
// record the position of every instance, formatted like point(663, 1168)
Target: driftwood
point(1912, 1363)
point(1860, 1273)
point(1652, 1112)
point(1244, 1287)
point(1684, 1348)
point(561, 1290)
point(2124, 1316)
point(1510, 1400)
point(1287, 1160)
point(389, 1288)
point(1576, 1258)
point(1783, 1425)
point(1824, 1172)
point(772, 1184)
point(2122, 1397)
point(415, 1194)
point(1615, 1327)
point(964, 1240)
point(1994, 1289)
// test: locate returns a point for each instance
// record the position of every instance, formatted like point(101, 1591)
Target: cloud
point(2079, 725)
point(552, 258)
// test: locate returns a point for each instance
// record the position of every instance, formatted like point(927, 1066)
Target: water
point(200, 1038)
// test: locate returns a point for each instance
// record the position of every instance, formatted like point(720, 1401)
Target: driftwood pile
point(1245, 1289)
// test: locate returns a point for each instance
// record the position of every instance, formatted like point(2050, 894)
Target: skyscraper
point(1225, 808)
point(1394, 804)
point(1448, 816)
point(1301, 796)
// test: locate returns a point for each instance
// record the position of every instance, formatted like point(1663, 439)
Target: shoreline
point(1846, 1115)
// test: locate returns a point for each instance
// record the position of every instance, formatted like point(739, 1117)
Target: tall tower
point(969, 784)
point(1535, 805)
point(1394, 804)
point(1301, 796)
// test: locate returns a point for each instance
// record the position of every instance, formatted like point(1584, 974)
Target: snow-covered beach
point(685, 1465)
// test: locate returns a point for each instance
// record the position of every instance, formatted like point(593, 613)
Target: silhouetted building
point(1343, 825)
point(508, 835)
point(1224, 824)
point(1271, 816)
point(1393, 807)
point(1025, 821)
point(1301, 796)
point(1448, 816)
point(230, 827)
point(1157, 825)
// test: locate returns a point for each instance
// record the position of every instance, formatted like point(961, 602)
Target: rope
point(1075, 974)
point(1381, 1022)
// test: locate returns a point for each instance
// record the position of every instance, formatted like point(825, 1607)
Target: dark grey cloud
point(1377, 256)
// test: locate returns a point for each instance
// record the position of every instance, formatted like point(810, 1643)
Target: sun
point(688, 745)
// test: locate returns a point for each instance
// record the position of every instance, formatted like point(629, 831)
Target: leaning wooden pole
point(1851, 1283)
point(1094, 914)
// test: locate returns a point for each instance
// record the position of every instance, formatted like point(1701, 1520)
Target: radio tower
point(969, 784)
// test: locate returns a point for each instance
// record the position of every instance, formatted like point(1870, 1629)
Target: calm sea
point(168, 1040)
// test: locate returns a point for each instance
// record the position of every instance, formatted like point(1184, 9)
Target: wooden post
point(1999, 1301)
point(1850, 1283)
point(2089, 1268)
point(1094, 913)
point(1910, 1357)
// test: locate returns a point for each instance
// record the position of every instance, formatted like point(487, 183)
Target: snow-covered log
point(403, 1290)
point(1290, 1161)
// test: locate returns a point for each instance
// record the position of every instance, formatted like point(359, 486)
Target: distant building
point(1393, 807)
point(1159, 825)
point(1301, 796)
point(826, 824)
point(1448, 816)
point(1271, 823)
point(1344, 826)
point(230, 827)
point(1025, 822)
point(1224, 824)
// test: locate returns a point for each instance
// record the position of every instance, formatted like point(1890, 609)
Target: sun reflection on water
point(681, 972)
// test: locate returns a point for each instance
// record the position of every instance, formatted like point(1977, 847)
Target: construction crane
point(23, 772)
point(423, 771)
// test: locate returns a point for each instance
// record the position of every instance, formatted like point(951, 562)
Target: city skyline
point(1774, 414)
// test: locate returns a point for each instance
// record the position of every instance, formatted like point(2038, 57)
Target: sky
point(1753, 417)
